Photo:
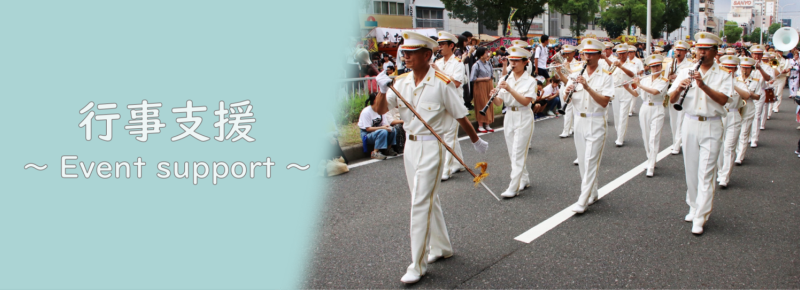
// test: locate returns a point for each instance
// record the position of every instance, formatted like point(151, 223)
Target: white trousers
point(635, 103)
point(748, 116)
point(778, 85)
point(424, 162)
point(760, 118)
point(675, 124)
point(451, 137)
point(651, 120)
point(732, 124)
point(702, 141)
point(568, 117)
point(621, 106)
point(590, 138)
point(518, 129)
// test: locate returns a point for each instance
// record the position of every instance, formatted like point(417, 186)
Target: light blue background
point(153, 233)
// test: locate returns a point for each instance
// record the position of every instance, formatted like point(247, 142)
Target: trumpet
point(774, 63)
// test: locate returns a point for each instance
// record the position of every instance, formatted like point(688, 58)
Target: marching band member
point(768, 74)
point(681, 61)
point(517, 92)
point(632, 50)
point(708, 90)
point(730, 51)
point(452, 67)
point(755, 82)
point(625, 70)
point(658, 50)
point(651, 89)
point(593, 89)
point(573, 66)
point(435, 98)
point(732, 123)
point(782, 71)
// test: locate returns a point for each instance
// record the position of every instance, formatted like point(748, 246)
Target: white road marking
point(560, 217)
point(370, 161)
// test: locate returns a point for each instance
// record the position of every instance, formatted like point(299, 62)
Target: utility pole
point(647, 45)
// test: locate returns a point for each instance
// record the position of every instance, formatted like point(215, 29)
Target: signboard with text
point(743, 3)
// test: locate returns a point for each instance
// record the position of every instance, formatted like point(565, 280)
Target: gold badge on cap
point(588, 42)
point(405, 35)
point(702, 35)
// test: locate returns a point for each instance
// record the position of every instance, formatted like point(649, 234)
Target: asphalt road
point(634, 237)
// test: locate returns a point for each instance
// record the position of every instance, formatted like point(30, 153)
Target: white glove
point(481, 146)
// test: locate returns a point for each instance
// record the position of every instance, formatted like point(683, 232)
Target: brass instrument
point(774, 63)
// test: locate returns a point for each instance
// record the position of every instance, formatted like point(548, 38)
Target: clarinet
point(679, 105)
point(483, 111)
point(569, 97)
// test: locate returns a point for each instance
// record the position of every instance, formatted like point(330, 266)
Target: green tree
point(774, 27)
point(732, 31)
point(613, 28)
point(755, 36)
point(489, 13)
point(580, 13)
point(528, 9)
point(675, 11)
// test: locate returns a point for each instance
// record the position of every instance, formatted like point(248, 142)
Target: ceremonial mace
point(476, 178)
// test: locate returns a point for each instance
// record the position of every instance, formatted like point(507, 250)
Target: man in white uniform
point(624, 69)
point(651, 90)
point(782, 71)
point(452, 67)
point(732, 123)
point(754, 83)
point(573, 66)
point(592, 91)
point(676, 117)
point(708, 91)
point(517, 92)
point(767, 74)
point(435, 98)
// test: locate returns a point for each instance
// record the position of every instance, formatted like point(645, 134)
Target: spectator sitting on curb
point(550, 95)
point(384, 81)
point(377, 130)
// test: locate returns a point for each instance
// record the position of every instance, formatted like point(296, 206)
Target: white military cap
point(415, 40)
point(769, 55)
point(519, 43)
point(518, 53)
point(729, 60)
point(621, 48)
point(757, 48)
point(705, 39)
point(608, 44)
point(658, 49)
point(747, 61)
point(569, 48)
point(654, 59)
point(632, 48)
point(447, 36)
point(730, 50)
point(591, 45)
point(680, 44)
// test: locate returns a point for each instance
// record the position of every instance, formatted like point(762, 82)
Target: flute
point(679, 105)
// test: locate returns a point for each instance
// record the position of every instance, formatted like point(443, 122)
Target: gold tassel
point(483, 173)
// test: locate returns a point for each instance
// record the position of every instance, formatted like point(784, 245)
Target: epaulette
point(443, 77)
point(458, 59)
point(402, 75)
point(605, 71)
point(664, 79)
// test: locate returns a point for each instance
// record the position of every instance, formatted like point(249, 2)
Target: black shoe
point(389, 152)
